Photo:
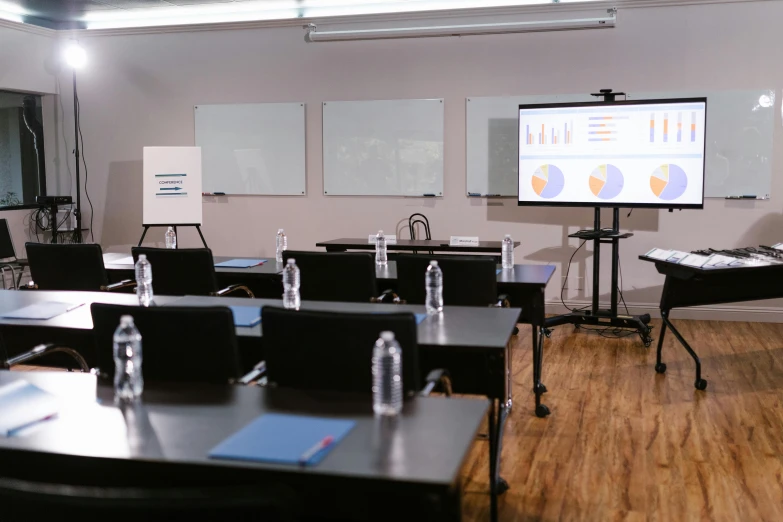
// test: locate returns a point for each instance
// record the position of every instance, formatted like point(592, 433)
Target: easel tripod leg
point(142, 235)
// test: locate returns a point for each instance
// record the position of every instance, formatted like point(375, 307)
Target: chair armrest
point(45, 349)
point(388, 296)
point(253, 375)
point(126, 283)
point(438, 378)
point(503, 302)
point(233, 288)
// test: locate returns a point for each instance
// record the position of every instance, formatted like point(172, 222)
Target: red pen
point(324, 443)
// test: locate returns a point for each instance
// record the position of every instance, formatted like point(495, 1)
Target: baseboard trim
point(708, 313)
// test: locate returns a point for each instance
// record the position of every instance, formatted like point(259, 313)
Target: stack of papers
point(23, 404)
point(700, 261)
point(240, 263)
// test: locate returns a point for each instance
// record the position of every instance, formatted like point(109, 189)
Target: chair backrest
point(347, 277)
point(185, 344)
point(67, 267)
point(333, 350)
point(7, 250)
point(184, 271)
point(415, 219)
point(467, 281)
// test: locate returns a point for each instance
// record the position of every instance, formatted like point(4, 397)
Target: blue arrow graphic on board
point(171, 188)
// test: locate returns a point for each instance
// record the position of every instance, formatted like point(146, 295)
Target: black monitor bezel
point(697, 206)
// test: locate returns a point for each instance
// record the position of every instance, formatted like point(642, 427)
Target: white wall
point(140, 90)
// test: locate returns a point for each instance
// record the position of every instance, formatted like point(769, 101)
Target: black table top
point(113, 261)
point(456, 326)
point(532, 275)
point(180, 423)
point(436, 245)
point(466, 326)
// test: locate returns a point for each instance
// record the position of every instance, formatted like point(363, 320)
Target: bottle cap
point(387, 336)
point(291, 260)
point(279, 230)
point(433, 263)
point(508, 236)
point(142, 257)
point(126, 320)
point(380, 232)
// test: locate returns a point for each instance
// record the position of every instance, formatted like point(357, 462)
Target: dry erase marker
point(318, 446)
point(428, 195)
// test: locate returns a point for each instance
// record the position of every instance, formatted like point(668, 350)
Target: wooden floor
point(624, 443)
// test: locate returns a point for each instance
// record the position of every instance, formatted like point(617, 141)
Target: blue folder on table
point(43, 310)
point(283, 439)
point(240, 263)
point(247, 316)
point(420, 318)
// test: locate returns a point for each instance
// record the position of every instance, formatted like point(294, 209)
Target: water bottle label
point(390, 240)
point(458, 241)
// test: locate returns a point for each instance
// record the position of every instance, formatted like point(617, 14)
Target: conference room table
point(422, 246)
point(384, 468)
point(471, 342)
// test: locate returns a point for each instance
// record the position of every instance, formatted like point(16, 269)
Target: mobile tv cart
point(198, 229)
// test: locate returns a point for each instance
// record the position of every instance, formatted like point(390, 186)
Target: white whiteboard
point(492, 148)
point(739, 139)
point(171, 184)
point(252, 148)
point(383, 148)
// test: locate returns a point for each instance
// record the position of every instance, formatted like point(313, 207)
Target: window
point(22, 163)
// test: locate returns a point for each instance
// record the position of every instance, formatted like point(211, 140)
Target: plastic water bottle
point(387, 375)
point(281, 245)
point(144, 280)
point(128, 380)
point(508, 252)
point(380, 249)
point(291, 285)
point(171, 238)
point(433, 281)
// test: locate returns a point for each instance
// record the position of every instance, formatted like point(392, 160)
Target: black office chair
point(185, 271)
point(467, 281)
point(77, 267)
point(185, 344)
point(339, 358)
point(330, 276)
point(8, 256)
point(419, 219)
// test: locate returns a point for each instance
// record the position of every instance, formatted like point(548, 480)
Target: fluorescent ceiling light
point(313, 35)
point(12, 12)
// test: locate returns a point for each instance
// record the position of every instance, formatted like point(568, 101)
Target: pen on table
point(318, 446)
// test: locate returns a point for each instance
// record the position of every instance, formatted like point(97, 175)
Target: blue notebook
point(498, 271)
point(283, 439)
point(246, 315)
point(420, 318)
point(240, 263)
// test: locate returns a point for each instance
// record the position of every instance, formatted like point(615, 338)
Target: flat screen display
point(647, 153)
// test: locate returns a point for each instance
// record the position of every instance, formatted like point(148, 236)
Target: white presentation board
point(383, 148)
point(172, 186)
point(252, 148)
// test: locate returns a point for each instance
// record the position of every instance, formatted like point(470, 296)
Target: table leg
point(699, 383)
point(660, 366)
point(508, 377)
point(538, 387)
point(493, 482)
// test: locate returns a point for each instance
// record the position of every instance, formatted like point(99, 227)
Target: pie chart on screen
point(606, 181)
point(548, 181)
point(668, 182)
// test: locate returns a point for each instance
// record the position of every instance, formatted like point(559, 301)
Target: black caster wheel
point(701, 384)
point(547, 332)
point(661, 368)
point(648, 342)
point(515, 331)
point(576, 327)
point(502, 486)
point(540, 388)
point(542, 411)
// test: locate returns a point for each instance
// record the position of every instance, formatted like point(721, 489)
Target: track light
point(313, 35)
